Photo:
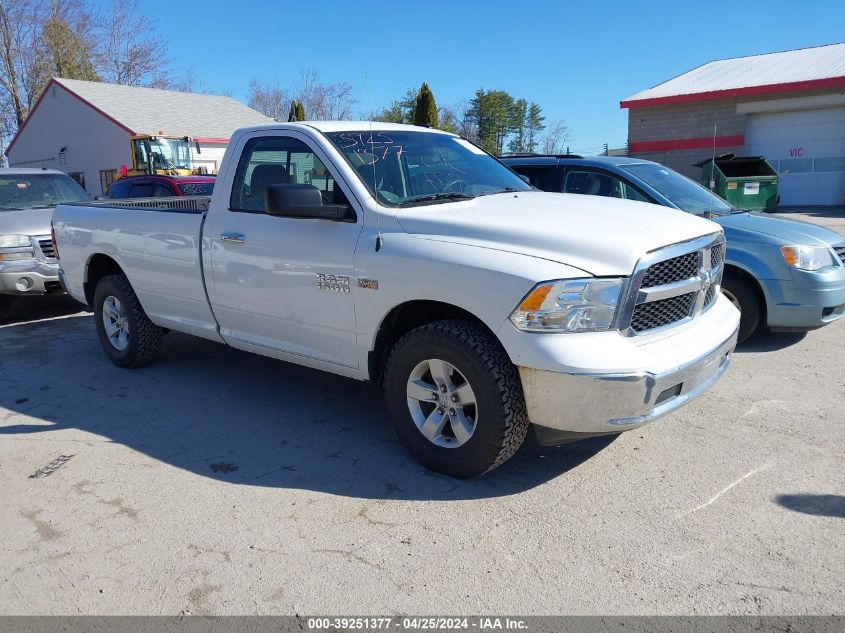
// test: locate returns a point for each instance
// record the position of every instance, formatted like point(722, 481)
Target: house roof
point(802, 69)
point(151, 110)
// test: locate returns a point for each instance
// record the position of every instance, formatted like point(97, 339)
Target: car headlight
point(570, 305)
point(15, 241)
point(807, 257)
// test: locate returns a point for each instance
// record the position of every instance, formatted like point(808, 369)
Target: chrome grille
point(840, 250)
point(717, 255)
point(648, 316)
point(673, 284)
point(671, 270)
point(46, 245)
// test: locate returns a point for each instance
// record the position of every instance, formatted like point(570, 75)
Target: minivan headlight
point(15, 241)
point(570, 305)
point(807, 257)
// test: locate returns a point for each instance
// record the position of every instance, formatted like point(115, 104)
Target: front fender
point(484, 282)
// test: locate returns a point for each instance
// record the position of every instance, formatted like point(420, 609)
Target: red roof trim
point(211, 140)
point(810, 84)
point(686, 143)
point(51, 83)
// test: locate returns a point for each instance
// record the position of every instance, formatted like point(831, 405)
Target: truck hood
point(601, 236)
point(783, 230)
point(26, 222)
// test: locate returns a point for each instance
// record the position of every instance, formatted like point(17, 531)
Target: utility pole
point(605, 149)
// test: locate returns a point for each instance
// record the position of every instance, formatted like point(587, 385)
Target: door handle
point(232, 238)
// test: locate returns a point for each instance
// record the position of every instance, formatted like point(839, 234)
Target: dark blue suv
point(782, 273)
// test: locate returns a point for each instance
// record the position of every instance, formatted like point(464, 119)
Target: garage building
point(83, 127)
point(787, 106)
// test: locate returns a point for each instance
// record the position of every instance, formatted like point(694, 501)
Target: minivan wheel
point(742, 295)
point(455, 399)
point(126, 334)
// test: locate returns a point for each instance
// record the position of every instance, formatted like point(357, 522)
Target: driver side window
point(276, 160)
point(595, 183)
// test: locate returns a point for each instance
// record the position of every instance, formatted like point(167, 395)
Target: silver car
point(28, 264)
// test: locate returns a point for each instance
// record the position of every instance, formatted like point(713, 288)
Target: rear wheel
point(742, 295)
point(455, 398)
point(127, 335)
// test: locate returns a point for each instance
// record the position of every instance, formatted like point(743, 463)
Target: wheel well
point(406, 317)
point(753, 284)
point(99, 266)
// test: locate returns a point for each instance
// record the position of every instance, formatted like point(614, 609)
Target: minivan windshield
point(38, 191)
point(684, 193)
point(412, 168)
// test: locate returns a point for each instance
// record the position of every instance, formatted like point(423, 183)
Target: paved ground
point(219, 482)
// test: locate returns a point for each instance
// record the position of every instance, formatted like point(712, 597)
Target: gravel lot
point(219, 482)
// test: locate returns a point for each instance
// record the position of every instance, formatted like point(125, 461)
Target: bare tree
point(324, 101)
point(465, 122)
point(22, 66)
point(556, 137)
point(130, 53)
point(269, 99)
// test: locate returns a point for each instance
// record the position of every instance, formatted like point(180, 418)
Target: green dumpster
point(747, 182)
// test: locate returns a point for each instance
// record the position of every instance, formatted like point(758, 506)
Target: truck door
point(282, 283)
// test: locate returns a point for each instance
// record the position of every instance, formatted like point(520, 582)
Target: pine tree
point(297, 111)
point(533, 126)
point(425, 110)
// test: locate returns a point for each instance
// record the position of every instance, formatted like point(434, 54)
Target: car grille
point(46, 245)
point(682, 267)
point(840, 250)
point(648, 316)
point(717, 255)
point(676, 288)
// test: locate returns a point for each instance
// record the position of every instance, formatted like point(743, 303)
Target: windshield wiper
point(449, 195)
point(495, 191)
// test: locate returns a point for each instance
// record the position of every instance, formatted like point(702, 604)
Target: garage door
point(808, 150)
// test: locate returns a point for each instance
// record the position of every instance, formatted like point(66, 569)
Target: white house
point(83, 127)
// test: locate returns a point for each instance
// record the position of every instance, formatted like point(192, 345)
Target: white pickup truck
point(410, 257)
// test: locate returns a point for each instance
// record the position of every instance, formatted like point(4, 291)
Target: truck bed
point(155, 241)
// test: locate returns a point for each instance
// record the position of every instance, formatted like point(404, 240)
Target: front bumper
point(807, 301)
point(28, 277)
point(653, 375)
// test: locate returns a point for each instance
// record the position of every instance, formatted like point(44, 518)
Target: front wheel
point(742, 295)
point(127, 335)
point(455, 398)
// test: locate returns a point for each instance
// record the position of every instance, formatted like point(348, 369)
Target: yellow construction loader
point(161, 155)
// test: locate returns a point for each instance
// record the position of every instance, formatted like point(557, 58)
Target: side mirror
point(293, 200)
point(525, 178)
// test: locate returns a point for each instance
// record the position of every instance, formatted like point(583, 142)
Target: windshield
point(36, 191)
point(415, 168)
point(684, 193)
point(163, 153)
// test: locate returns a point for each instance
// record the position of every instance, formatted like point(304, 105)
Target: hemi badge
point(369, 284)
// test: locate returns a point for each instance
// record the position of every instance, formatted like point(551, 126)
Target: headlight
point(570, 305)
point(15, 241)
point(807, 257)
point(13, 257)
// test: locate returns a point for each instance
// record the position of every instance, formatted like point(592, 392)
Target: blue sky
point(576, 59)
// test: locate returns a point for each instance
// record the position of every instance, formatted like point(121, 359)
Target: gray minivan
point(786, 274)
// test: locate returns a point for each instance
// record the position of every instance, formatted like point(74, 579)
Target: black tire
point(743, 296)
point(5, 308)
point(501, 420)
point(144, 337)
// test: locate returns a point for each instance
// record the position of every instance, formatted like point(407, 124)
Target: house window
point(107, 177)
point(79, 177)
